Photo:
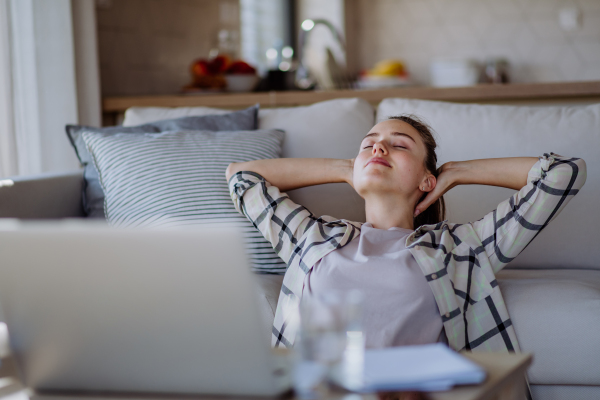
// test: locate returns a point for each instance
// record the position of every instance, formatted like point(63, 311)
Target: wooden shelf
point(478, 93)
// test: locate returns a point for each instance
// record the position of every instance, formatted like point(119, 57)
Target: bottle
point(496, 71)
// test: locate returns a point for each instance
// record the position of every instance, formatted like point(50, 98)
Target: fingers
point(444, 182)
point(426, 202)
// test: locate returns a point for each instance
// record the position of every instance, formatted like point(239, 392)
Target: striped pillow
point(177, 178)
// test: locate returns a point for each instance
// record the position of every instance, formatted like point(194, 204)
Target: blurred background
point(88, 61)
point(147, 46)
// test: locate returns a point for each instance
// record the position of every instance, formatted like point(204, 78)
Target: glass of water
point(330, 344)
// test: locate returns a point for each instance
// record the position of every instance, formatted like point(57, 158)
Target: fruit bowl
point(379, 82)
point(241, 82)
point(221, 73)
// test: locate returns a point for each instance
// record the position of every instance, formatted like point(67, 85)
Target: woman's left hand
point(504, 172)
point(446, 180)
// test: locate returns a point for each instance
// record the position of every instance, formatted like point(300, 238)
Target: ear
point(428, 184)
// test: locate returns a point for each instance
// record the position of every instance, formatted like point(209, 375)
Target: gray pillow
point(93, 196)
point(178, 178)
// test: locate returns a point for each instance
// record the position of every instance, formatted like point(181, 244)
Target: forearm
point(505, 172)
point(294, 173)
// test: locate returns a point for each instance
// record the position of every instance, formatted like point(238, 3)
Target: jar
point(496, 71)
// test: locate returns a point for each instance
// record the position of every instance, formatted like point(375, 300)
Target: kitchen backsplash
point(147, 46)
point(526, 32)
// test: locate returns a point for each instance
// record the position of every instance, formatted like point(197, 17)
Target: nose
point(379, 148)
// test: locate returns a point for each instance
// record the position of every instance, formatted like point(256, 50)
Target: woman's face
point(391, 159)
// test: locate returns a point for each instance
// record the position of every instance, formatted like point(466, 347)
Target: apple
point(219, 64)
point(200, 68)
point(216, 66)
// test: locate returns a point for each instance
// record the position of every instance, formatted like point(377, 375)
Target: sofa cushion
point(554, 312)
point(145, 115)
point(556, 315)
point(471, 131)
point(177, 178)
point(93, 196)
point(329, 129)
point(269, 287)
point(44, 196)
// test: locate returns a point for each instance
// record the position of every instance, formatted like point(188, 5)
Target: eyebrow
point(393, 134)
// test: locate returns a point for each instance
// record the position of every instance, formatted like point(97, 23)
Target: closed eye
point(366, 147)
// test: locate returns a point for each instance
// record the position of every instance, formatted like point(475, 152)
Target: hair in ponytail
point(437, 211)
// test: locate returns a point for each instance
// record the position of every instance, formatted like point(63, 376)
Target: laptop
point(95, 308)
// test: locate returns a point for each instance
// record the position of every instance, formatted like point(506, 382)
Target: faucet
point(304, 80)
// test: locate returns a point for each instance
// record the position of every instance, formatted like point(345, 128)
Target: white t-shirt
point(399, 307)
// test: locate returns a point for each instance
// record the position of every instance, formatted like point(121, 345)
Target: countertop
point(588, 90)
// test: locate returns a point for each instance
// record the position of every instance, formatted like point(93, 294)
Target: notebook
point(431, 367)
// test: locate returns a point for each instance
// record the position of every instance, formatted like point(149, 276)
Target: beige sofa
point(552, 289)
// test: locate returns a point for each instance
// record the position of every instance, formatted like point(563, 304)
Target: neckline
point(393, 228)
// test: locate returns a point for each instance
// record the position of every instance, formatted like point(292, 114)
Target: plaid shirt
point(459, 261)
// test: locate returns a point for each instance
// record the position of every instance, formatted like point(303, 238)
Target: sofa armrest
point(44, 196)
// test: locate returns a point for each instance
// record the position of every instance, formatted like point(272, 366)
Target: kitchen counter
point(500, 94)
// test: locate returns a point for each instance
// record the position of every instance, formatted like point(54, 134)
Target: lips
point(378, 160)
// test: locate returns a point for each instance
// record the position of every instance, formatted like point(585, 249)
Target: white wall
point(526, 32)
point(147, 47)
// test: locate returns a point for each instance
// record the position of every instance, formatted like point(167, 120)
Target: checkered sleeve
point(281, 221)
point(507, 230)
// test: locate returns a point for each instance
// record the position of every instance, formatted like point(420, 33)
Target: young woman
point(424, 279)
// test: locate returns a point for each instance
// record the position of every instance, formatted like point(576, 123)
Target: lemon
point(388, 67)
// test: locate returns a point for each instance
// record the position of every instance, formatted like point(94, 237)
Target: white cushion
point(329, 129)
point(471, 131)
point(556, 317)
point(144, 115)
point(177, 178)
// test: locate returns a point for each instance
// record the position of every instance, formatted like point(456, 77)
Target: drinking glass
point(330, 344)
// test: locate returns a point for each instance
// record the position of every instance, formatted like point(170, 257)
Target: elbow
point(234, 168)
point(582, 171)
point(231, 170)
point(571, 173)
point(582, 165)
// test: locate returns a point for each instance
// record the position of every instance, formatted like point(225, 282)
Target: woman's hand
point(504, 172)
point(446, 180)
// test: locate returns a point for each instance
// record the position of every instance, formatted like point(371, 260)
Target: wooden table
point(505, 381)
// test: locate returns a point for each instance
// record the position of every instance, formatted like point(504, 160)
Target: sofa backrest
point(470, 131)
point(465, 131)
point(329, 129)
point(45, 196)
